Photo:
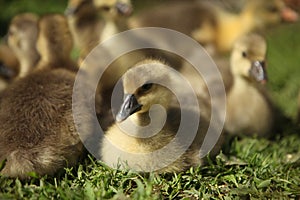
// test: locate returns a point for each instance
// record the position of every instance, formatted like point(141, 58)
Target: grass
point(284, 53)
point(248, 168)
point(253, 168)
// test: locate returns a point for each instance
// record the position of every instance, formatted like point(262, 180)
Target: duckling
point(92, 21)
point(114, 13)
point(37, 133)
point(209, 24)
point(22, 36)
point(84, 24)
point(145, 85)
point(249, 109)
point(9, 66)
point(255, 15)
point(55, 43)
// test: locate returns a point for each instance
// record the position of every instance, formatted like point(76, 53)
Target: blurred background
point(13, 7)
point(283, 45)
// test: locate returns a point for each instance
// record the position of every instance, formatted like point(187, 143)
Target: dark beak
point(129, 106)
point(258, 71)
point(124, 9)
point(70, 11)
point(5, 39)
point(6, 72)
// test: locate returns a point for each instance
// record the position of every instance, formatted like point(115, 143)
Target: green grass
point(284, 67)
point(253, 168)
point(9, 8)
point(249, 167)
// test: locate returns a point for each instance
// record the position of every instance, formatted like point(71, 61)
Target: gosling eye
point(273, 9)
point(106, 8)
point(244, 54)
point(146, 87)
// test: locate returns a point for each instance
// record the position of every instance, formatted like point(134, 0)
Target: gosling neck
point(27, 63)
point(149, 123)
point(112, 26)
point(248, 18)
point(141, 119)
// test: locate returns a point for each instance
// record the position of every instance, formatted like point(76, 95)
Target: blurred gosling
point(37, 133)
point(22, 37)
point(210, 24)
point(9, 66)
point(249, 109)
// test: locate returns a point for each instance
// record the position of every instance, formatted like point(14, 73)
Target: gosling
point(37, 133)
point(249, 108)
point(144, 87)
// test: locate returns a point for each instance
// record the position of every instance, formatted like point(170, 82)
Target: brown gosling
point(55, 43)
point(37, 133)
point(92, 21)
point(9, 66)
point(22, 36)
point(114, 13)
point(84, 24)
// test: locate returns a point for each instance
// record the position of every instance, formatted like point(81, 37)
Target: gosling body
point(38, 133)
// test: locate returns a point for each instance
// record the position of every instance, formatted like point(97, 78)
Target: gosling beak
point(129, 106)
point(6, 72)
point(70, 11)
point(289, 15)
point(124, 9)
point(258, 71)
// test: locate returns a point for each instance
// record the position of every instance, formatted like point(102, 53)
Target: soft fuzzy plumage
point(37, 133)
point(135, 83)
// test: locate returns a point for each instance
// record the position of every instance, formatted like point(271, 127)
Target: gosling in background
point(92, 21)
point(211, 25)
point(37, 133)
point(249, 109)
point(22, 36)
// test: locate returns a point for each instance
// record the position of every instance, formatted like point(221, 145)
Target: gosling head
point(80, 8)
point(54, 39)
point(9, 65)
point(22, 35)
point(114, 8)
point(248, 58)
point(144, 86)
point(271, 12)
